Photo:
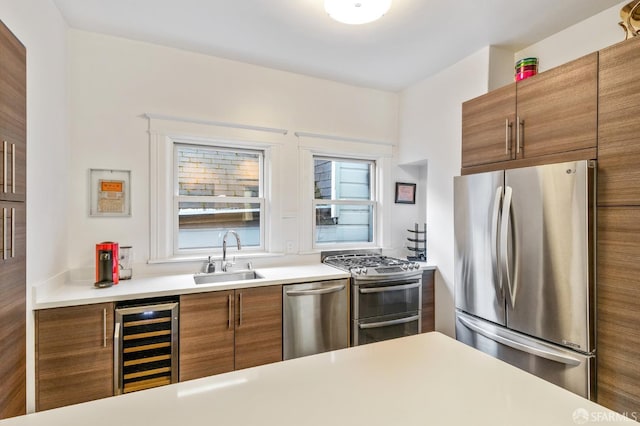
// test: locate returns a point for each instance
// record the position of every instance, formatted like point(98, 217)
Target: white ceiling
point(415, 39)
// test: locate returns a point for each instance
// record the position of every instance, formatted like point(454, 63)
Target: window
point(344, 203)
point(218, 189)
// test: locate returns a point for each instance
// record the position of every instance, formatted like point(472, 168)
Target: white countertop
point(427, 379)
point(83, 292)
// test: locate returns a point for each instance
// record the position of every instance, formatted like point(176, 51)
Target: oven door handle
point(391, 322)
point(389, 288)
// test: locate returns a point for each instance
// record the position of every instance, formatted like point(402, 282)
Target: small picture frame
point(110, 193)
point(405, 193)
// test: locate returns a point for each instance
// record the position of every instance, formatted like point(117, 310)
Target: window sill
point(202, 258)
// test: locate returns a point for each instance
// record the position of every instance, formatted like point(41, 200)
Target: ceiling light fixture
point(356, 12)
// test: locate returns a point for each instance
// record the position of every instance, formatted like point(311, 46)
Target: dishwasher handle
point(315, 292)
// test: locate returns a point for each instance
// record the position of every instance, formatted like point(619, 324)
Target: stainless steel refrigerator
point(524, 269)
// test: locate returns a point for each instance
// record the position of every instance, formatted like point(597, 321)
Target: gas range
point(386, 294)
point(371, 265)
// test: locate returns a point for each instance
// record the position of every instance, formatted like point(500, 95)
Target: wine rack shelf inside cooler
point(147, 347)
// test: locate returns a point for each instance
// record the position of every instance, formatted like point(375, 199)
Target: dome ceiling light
point(356, 12)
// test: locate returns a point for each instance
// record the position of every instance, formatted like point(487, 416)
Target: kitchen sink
point(220, 277)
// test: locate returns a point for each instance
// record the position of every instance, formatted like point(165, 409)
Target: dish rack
point(418, 238)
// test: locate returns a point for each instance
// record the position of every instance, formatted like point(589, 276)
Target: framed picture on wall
point(110, 193)
point(405, 193)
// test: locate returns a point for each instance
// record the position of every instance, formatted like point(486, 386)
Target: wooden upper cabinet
point(558, 109)
point(74, 355)
point(13, 117)
point(619, 125)
point(548, 115)
point(258, 326)
point(206, 334)
point(488, 127)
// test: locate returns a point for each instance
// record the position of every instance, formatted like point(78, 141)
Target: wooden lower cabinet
point(74, 354)
point(227, 330)
point(618, 308)
point(206, 334)
point(258, 326)
point(13, 316)
point(428, 299)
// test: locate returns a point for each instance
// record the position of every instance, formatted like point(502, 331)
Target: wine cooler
point(145, 345)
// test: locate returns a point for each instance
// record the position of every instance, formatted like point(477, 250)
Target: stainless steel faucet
point(225, 264)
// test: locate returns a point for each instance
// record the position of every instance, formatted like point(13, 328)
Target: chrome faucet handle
point(226, 264)
point(249, 265)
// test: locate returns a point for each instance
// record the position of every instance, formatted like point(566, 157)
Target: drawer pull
point(4, 166)
point(13, 168)
point(230, 320)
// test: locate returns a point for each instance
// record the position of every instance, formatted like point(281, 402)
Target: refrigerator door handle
point(523, 346)
point(505, 222)
point(495, 223)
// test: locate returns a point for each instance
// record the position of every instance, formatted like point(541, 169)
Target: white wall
point(114, 81)
point(430, 129)
point(592, 34)
point(39, 26)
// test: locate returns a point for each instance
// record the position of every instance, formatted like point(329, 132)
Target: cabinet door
point(428, 298)
point(206, 334)
point(258, 326)
point(619, 125)
point(558, 109)
point(12, 310)
point(488, 127)
point(13, 114)
point(74, 355)
point(618, 312)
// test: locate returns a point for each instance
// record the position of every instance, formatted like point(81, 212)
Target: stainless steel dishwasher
point(315, 317)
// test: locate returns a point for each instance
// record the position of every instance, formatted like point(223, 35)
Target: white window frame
point(372, 201)
point(213, 199)
point(310, 144)
point(164, 132)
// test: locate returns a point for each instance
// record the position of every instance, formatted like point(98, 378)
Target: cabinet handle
point(229, 322)
point(507, 136)
point(13, 168)
point(104, 325)
point(240, 303)
point(4, 166)
point(519, 136)
point(4, 234)
point(13, 232)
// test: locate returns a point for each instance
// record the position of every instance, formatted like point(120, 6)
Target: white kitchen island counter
point(427, 379)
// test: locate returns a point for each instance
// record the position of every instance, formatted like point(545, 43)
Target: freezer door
point(571, 370)
point(477, 201)
point(549, 258)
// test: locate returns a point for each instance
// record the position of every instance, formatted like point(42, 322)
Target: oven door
point(389, 297)
point(377, 329)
